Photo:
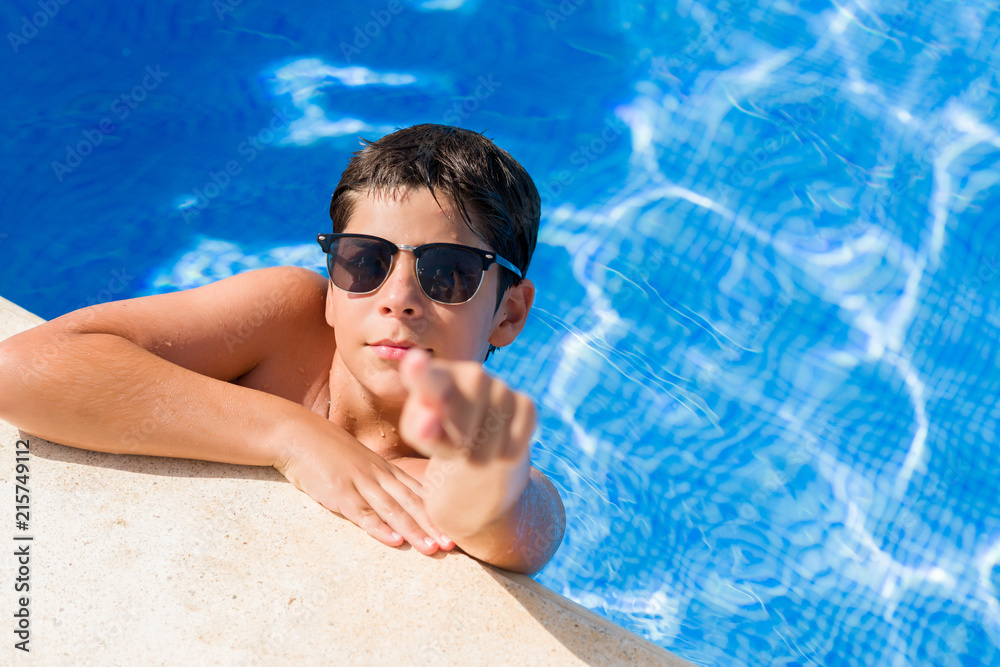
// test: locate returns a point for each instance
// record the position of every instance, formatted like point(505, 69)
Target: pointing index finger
point(434, 388)
point(420, 379)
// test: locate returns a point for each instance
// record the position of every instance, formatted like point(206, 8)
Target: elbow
point(552, 537)
point(26, 362)
point(555, 525)
point(536, 548)
point(11, 363)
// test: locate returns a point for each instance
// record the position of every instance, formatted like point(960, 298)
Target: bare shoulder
point(223, 330)
point(289, 288)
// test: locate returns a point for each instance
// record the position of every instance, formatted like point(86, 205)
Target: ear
point(513, 313)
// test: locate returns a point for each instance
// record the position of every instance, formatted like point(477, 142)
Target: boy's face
point(400, 311)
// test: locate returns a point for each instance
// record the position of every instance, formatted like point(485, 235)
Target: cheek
point(480, 328)
point(341, 315)
point(330, 311)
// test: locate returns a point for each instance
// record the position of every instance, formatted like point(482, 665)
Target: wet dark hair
point(493, 193)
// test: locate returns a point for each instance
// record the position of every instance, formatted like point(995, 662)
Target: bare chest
point(302, 375)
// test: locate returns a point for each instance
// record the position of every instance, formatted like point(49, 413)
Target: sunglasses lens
point(449, 275)
point(358, 265)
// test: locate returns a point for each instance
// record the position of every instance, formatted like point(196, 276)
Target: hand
point(456, 410)
point(344, 476)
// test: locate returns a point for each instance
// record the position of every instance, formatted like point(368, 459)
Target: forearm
point(463, 498)
point(525, 536)
point(104, 393)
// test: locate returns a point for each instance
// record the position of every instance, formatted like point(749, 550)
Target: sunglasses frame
point(489, 258)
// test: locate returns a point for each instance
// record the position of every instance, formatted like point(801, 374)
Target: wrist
point(292, 437)
point(463, 498)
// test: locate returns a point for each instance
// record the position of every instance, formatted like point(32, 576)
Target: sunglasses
point(447, 273)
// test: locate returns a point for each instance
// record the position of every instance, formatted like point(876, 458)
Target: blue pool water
point(767, 332)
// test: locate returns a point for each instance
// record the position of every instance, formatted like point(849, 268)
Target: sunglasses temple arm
point(507, 265)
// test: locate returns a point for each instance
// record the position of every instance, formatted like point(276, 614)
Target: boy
point(365, 390)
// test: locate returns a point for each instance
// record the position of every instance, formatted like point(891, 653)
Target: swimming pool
point(765, 342)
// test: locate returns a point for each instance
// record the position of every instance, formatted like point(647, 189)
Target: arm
point(479, 488)
point(158, 376)
point(145, 376)
point(521, 538)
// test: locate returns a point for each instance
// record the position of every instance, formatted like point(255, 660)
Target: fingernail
point(429, 542)
point(415, 357)
point(430, 430)
point(444, 540)
point(396, 536)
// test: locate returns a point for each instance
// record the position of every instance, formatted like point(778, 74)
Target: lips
point(397, 343)
point(394, 349)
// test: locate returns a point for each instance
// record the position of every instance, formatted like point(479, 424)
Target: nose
point(400, 294)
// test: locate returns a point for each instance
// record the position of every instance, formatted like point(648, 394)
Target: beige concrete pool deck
point(147, 561)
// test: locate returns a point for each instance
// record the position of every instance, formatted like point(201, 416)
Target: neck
point(372, 420)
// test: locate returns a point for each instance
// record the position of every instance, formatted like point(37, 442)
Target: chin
point(385, 385)
point(394, 394)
